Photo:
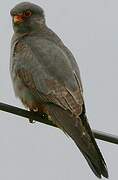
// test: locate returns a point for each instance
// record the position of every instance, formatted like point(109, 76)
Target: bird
point(46, 78)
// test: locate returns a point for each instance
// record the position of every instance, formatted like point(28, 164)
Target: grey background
point(33, 152)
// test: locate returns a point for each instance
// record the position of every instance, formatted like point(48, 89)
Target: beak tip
point(17, 19)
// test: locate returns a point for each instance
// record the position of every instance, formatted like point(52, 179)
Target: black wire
point(28, 114)
point(105, 136)
point(43, 118)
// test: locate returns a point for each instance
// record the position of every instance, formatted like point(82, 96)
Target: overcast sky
point(34, 152)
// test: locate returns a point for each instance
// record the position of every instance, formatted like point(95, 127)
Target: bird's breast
point(24, 94)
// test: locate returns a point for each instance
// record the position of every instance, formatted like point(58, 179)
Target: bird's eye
point(28, 13)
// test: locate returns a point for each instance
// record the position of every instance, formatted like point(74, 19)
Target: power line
point(43, 118)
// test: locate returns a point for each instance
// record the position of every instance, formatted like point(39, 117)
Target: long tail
point(79, 130)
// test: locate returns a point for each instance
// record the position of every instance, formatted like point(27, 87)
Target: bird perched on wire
point(46, 78)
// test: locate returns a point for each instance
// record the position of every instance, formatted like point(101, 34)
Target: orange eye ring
point(28, 13)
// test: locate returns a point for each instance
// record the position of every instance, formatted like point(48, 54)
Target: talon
point(32, 121)
point(44, 116)
point(36, 109)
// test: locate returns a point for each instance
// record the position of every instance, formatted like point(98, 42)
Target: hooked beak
point(18, 19)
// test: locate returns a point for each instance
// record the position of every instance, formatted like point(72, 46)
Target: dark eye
point(28, 13)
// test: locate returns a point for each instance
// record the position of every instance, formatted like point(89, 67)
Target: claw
point(32, 121)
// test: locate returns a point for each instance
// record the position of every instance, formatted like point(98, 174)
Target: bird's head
point(27, 17)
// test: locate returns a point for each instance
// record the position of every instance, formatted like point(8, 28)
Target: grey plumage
point(46, 76)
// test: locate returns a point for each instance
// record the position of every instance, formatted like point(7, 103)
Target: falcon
point(46, 78)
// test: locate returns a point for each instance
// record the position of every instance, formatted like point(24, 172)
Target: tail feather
point(95, 169)
point(82, 135)
point(99, 170)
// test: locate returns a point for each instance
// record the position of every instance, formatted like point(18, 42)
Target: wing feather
point(40, 81)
